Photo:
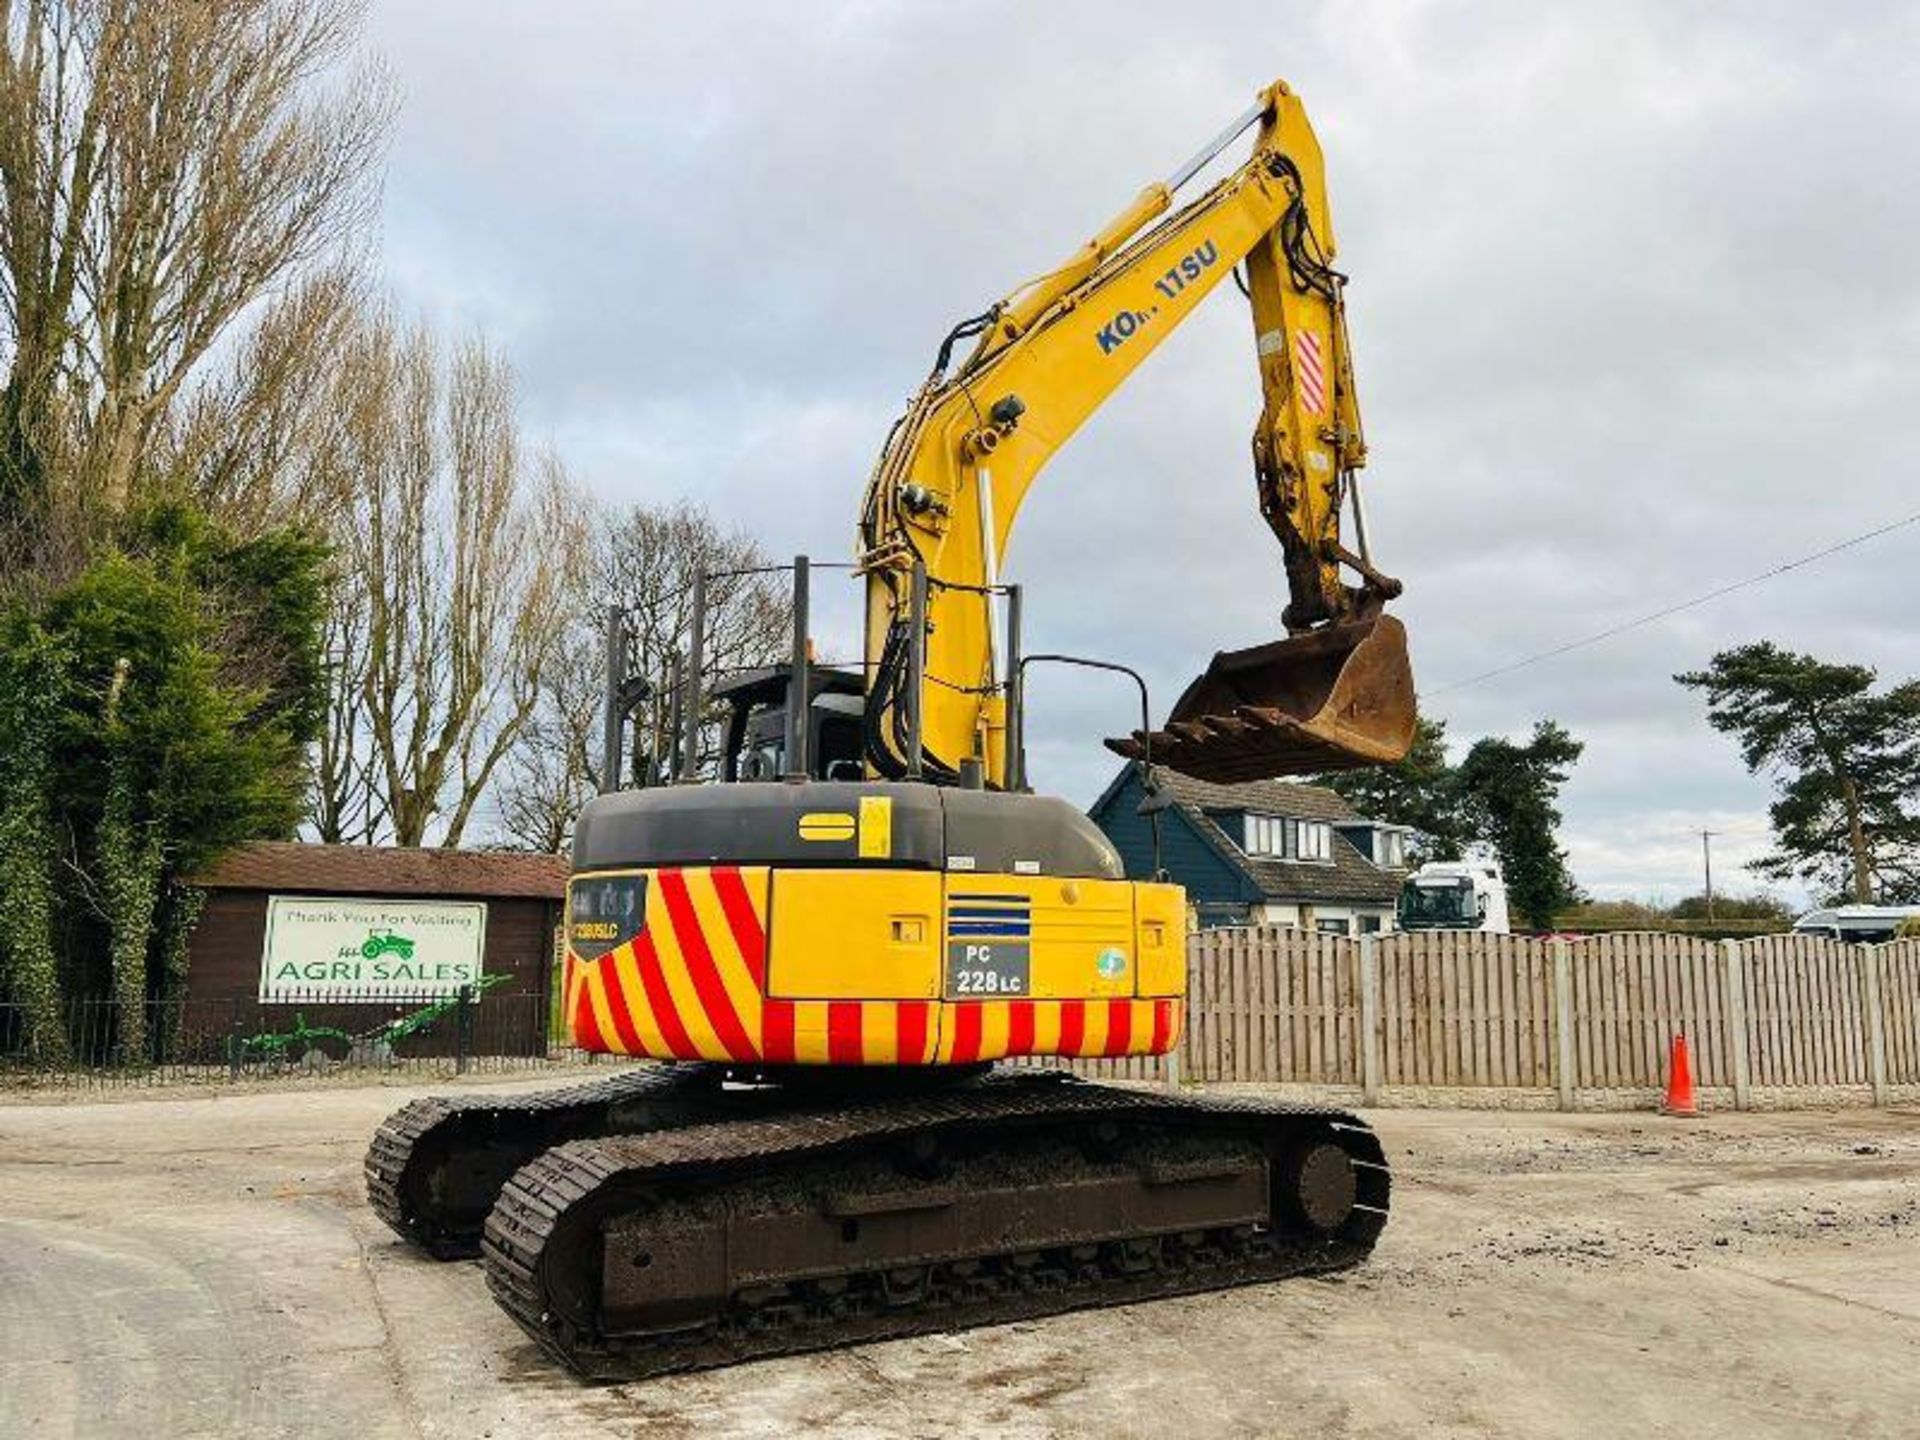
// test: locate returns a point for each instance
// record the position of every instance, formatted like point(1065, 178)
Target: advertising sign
point(379, 949)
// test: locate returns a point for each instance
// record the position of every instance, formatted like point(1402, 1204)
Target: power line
point(1675, 609)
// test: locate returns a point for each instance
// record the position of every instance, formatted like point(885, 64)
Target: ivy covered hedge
point(155, 710)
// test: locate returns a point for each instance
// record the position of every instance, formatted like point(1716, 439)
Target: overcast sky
point(1635, 302)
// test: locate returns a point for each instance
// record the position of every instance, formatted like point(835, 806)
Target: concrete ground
point(207, 1266)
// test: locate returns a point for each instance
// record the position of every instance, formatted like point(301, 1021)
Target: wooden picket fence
point(1770, 1020)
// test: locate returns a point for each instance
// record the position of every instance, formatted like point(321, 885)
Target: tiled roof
point(1350, 876)
point(1266, 797)
point(387, 870)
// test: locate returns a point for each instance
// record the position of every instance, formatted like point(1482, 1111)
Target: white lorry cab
point(1455, 895)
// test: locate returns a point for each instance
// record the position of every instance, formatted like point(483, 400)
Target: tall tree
point(1845, 761)
point(164, 165)
point(1512, 794)
point(643, 560)
point(456, 548)
point(179, 180)
point(1421, 792)
point(259, 440)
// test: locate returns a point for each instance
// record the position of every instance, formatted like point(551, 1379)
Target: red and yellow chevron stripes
point(693, 987)
point(1077, 1029)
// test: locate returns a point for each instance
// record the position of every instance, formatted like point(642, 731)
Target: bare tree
point(456, 549)
point(547, 777)
point(344, 805)
point(644, 560)
point(259, 437)
point(165, 165)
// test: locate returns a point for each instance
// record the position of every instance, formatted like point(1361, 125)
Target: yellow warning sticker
point(876, 827)
point(826, 825)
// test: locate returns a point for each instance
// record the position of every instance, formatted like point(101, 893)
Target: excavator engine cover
point(1332, 699)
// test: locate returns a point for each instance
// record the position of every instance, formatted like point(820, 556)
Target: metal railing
point(101, 1042)
point(687, 672)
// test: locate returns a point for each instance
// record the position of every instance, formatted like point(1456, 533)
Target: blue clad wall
point(1188, 858)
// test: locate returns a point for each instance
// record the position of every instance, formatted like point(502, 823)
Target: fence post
point(1736, 1002)
point(462, 1029)
point(1876, 1020)
point(1370, 1067)
point(1564, 1073)
point(234, 1044)
point(1186, 1014)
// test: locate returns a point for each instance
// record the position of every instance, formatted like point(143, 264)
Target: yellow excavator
point(830, 943)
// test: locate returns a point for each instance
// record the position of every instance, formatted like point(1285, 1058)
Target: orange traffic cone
point(1679, 1099)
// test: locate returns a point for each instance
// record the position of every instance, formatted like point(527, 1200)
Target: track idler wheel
point(1318, 1187)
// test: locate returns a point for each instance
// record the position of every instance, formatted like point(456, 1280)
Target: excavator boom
point(957, 466)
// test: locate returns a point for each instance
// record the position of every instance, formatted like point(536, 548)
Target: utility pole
point(1706, 859)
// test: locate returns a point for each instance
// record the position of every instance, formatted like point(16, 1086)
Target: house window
point(1265, 835)
point(1393, 849)
point(1315, 841)
point(1332, 927)
point(1369, 924)
point(1218, 917)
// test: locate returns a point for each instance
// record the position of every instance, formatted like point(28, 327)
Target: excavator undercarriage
point(697, 1221)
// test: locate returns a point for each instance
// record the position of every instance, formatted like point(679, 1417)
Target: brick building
point(346, 930)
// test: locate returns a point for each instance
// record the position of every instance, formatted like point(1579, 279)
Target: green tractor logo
point(386, 943)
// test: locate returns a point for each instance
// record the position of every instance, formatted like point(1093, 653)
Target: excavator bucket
point(1333, 699)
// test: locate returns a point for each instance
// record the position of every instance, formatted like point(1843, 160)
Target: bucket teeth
point(1197, 730)
point(1331, 699)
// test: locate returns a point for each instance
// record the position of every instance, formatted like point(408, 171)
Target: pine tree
point(1845, 762)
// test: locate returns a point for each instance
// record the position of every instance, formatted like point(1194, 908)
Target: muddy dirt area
point(208, 1267)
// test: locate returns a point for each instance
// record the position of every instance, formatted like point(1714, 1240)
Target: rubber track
point(584, 1183)
point(418, 1133)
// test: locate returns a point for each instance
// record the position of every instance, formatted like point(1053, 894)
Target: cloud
point(1633, 301)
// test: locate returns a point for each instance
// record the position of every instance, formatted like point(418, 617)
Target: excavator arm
point(959, 463)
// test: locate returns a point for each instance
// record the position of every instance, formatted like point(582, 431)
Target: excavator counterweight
point(1331, 699)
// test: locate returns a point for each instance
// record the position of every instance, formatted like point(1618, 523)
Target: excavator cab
point(1335, 698)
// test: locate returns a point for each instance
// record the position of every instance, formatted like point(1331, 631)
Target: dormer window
point(1266, 835)
point(1315, 841)
point(1275, 837)
point(1393, 849)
